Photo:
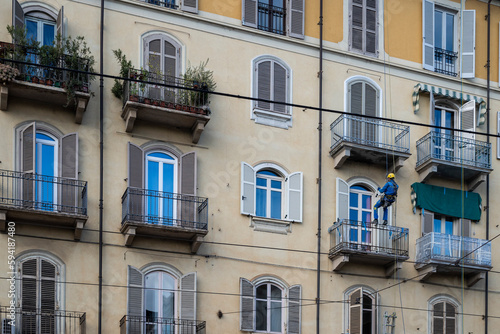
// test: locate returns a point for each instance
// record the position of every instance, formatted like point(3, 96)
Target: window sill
point(271, 118)
point(270, 225)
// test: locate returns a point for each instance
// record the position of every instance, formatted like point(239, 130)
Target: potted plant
point(198, 77)
point(7, 73)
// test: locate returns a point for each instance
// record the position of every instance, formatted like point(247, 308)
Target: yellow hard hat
point(391, 176)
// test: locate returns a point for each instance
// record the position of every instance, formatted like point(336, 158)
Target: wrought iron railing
point(464, 151)
point(271, 18)
point(43, 193)
point(444, 61)
point(149, 88)
point(36, 73)
point(163, 3)
point(131, 324)
point(163, 208)
point(451, 248)
point(19, 320)
point(370, 132)
point(364, 237)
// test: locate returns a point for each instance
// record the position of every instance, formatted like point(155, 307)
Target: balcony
point(17, 320)
point(453, 157)
point(164, 215)
point(360, 242)
point(172, 106)
point(131, 324)
point(44, 200)
point(452, 254)
point(444, 61)
point(42, 84)
point(369, 140)
point(271, 18)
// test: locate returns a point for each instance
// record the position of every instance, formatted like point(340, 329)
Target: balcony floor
point(472, 273)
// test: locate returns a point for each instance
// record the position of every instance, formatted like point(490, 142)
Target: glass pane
point(261, 291)
point(438, 29)
point(151, 296)
point(48, 34)
point(261, 182)
point(367, 217)
point(353, 200)
point(448, 226)
point(267, 172)
point(275, 184)
point(276, 316)
point(353, 215)
point(47, 163)
point(260, 202)
point(152, 199)
point(160, 155)
point(275, 293)
point(168, 189)
point(168, 296)
point(261, 315)
point(44, 137)
point(276, 204)
point(437, 117)
point(449, 31)
point(367, 202)
point(31, 29)
point(437, 224)
point(153, 175)
point(358, 187)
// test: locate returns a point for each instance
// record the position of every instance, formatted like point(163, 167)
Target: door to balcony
point(444, 147)
point(160, 181)
point(45, 190)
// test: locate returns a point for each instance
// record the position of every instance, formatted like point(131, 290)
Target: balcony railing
point(364, 237)
point(173, 97)
point(370, 132)
point(451, 248)
point(163, 208)
point(163, 3)
point(444, 61)
point(28, 191)
point(455, 149)
point(17, 320)
point(271, 18)
point(131, 324)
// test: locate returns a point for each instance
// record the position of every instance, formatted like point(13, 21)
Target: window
point(268, 191)
point(185, 5)
point(159, 294)
point(272, 83)
point(360, 310)
point(363, 27)
point(444, 314)
point(41, 23)
point(363, 98)
point(440, 31)
point(446, 225)
point(269, 306)
point(275, 17)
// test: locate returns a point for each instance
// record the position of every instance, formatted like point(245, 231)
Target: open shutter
point(28, 295)
point(355, 311)
point(469, 44)
point(188, 300)
point(190, 6)
point(432, 107)
point(69, 190)
point(294, 309)
point(296, 21)
point(135, 182)
point(247, 189)
point(428, 34)
point(468, 119)
point(342, 200)
point(135, 293)
point(280, 78)
point(28, 142)
point(188, 187)
point(294, 196)
point(498, 133)
point(427, 222)
point(466, 227)
point(264, 84)
point(247, 305)
point(249, 13)
point(17, 15)
point(60, 22)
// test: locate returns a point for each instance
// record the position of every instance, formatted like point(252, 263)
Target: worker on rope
point(388, 192)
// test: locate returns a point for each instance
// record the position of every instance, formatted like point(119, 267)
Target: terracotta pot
point(147, 100)
point(35, 80)
point(134, 98)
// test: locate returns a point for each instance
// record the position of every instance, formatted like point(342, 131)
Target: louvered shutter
point(28, 142)
point(427, 222)
point(47, 294)
point(432, 107)
point(450, 319)
point(135, 181)
point(188, 187)
point(264, 84)
point(249, 13)
point(355, 311)
point(247, 305)
point(498, 133)
point(370, 30)
point(356, 26)
point(170, 69)
point(188, 301)
point(68, 190)
point(190, 6)
point(342, 200)
point(294, 309)
point(29, 295)
point(466, 227)
point(296, 21)
point(294, 196)
point(247, 189)
point(370, 109)
point(280, 79)
point(17, 15)
point(135, 293)
point(469, 44)
point(356, 98)
point(467, 148)
point(60, 22)
point(428, 34)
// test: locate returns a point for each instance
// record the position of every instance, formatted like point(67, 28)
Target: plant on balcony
point(125, 69)
point(7, 73)
point(200, 78)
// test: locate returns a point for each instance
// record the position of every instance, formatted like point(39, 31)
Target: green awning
point(446, 201)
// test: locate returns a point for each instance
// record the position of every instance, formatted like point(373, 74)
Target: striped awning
point(449, 94)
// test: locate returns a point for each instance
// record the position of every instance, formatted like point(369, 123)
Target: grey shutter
point(438, 317)
point(370, 109)
point(247, 305)
point(68, 189)
point(264, 84)
point(249, 13)
point(371, 28)
point(498, 133)
point(428, 34)
point(17, 15)
point(247, 189)
point(135, 293)
point(280, 78)
point(469, 44)
point(153, 63)
point(432, 106)
point(466, 227)
point(342, 200)
point(188, 299)
point(188, 187)
point(450, 317)
point(60, 23)
point(28, 295)
point(47, 294)
point(135, 182)
point(356, 26)
point(355, 311)
point(427, 222)
point(356, 98)
point(190, 6)
point(296, 22)
point(28, 143)
point(294, 309)
point(294, 196)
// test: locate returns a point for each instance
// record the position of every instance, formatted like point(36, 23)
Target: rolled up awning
point(449, 94)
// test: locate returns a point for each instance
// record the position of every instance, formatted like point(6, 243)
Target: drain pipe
point(101, 135)
point(487, 176)
point(320, 149)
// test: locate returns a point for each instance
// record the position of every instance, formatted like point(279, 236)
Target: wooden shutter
point(247, 189)
point(249, 13)
point(264, 84)
point(294, 309)
point(247, 305)
point(294, 197)
point(47, 294)
point(342, 199)
point(371, 100)
point(190, 6)
point(17, 15)
point(28, 147)
point(135, 180)
point(68, 190)
point(188, 173)
point(188, 297)
point(135, 293)
point(438, 318)
point(428, 34)
point(469, 44)
point(371, 27)
point(29, 295)
point(296, 18)
point(356, 311)
point(466, 227)
point(356, 25)
point(356, 98)
point(468, 119)
point(60, 23)
point(427, 221)
point(450, 319)
point(280, 81)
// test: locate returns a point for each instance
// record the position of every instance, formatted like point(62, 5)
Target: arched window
point(360, 310)
point(268, 307)
point(42, 23)
point(444, 314)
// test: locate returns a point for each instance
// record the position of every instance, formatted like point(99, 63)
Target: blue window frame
point(161, 170)
point(269, 194)
point(46, 168)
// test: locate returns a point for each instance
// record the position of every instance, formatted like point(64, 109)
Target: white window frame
point(447, 299)
point(346, 309)
point(163, 270)
point(377, 28)
point(284, 301)
point(268, 189)
point(360, 78)
point(268, 307)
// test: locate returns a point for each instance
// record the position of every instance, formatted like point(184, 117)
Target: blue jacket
point(390, 188)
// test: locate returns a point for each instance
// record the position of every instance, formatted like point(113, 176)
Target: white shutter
point(60, 22)
point(468, 119)
point(247, 305)
point(247, 189)
point(432, 106)
point(468, 44)
point(356, 311)
point(249, 13)
point(188, 297)
point(294, 309)
point(296, 18)
point(342, 199)
point(190, 6)
point(428, 34)
point(294, 186)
